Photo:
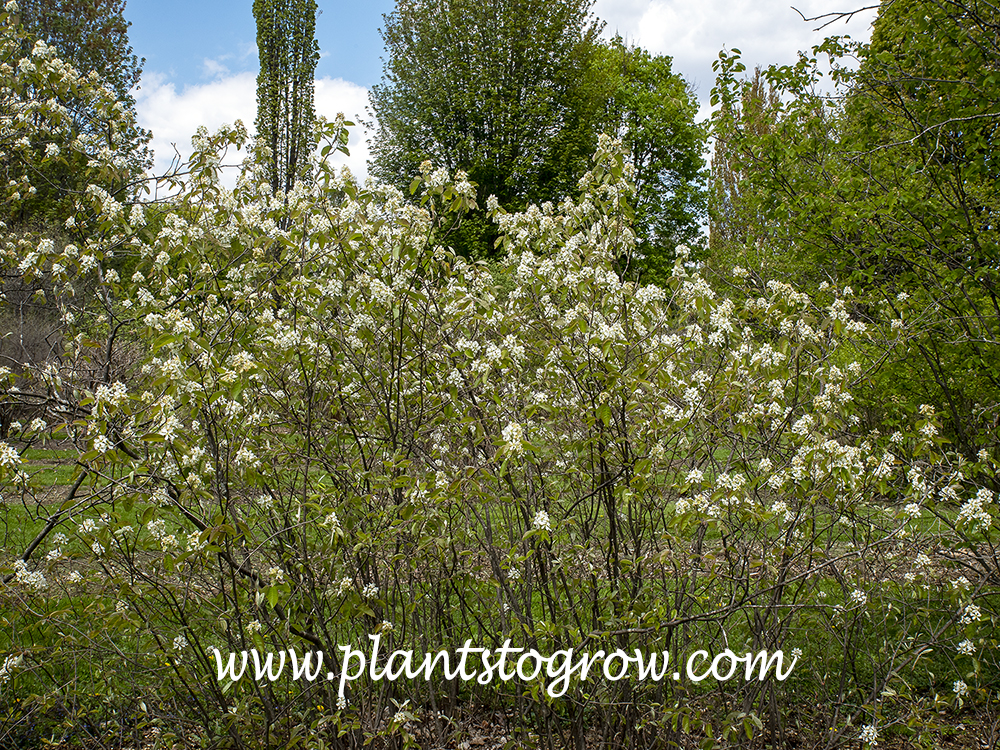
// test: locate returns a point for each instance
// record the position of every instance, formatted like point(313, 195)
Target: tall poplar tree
point(286, 41)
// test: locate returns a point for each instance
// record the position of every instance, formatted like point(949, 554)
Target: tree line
point(888, 185)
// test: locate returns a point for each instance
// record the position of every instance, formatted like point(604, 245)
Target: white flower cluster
point(158, 530)
point(733, 482)
point(700, 503)
point(195, 542)
point(970, 615)
point(9, 665)
point(541, 521)
point(869, 735)
point(32, 579)
point(275, 576)
point(513, 435)
point(974, 512)
point(265, 502)
point(402, 716)
point(9, 457)
point(966, 648)
point(332, 522)
point(246, 458)
point(103, 445)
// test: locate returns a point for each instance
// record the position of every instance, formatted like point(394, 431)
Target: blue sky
point(201, 57)
point(178, 38)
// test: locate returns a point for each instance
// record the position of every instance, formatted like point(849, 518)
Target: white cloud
point(174, 116)
point(214, 67)
point(335, 95)
point(765, 31)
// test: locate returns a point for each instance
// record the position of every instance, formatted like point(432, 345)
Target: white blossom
point(541, 521)
point(275, 575)
point(10, 663)
point(970, 614)
point(869, 735)
point(513, 436)
point(32, 579)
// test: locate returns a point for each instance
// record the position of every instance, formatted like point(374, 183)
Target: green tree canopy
point(63, 112)
point(515, 93)
point(501, 89)
point(653, 110)
point(92, 37)
point(921, 126)
point(891, 188)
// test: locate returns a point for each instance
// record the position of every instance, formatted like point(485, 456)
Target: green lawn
point(50, 467)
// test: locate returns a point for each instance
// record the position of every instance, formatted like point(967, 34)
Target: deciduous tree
point(92, 35)
point(892, 188)
point(286, 41)
point(516, 92)
point(501, 89)
point(653, 110)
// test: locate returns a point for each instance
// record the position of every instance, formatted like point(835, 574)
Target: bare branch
point(834, 16)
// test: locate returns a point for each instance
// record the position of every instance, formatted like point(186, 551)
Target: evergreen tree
point(286, 41)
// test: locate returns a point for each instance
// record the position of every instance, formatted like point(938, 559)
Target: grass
point(50, 467)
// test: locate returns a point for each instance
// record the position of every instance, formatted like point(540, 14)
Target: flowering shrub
point(59, 131)
point(335, 427)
